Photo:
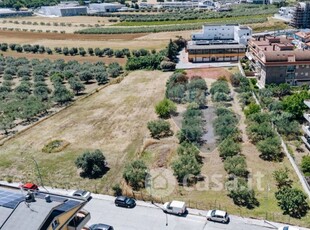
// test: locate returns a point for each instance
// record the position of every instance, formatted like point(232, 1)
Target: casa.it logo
point(160, 182)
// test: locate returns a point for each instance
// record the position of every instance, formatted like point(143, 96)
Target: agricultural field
point(67, 24)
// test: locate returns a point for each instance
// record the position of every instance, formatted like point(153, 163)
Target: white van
point(175, 207)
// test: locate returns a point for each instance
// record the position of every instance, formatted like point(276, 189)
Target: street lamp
point(38, 170)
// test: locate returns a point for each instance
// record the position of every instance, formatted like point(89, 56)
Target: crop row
point(166, 28)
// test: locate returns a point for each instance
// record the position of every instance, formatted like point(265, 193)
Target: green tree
point(241, 194)
point(165, 108)
point(185, 166)
point(6, 123)
point(159, 128)
point(236, 165)
point(295, 105)
point(305, 165)
point(252, 108)
point(293, 202)
point(102, 77)
point(135, 174)
point(93, 164)
point(229, 148)
point(86, 76)
point(282, 178)
point(62, 94)
point(41, 92)
point(187, 148)
point(114, 69)
point(76, 85)
point(270, 148)
point(172, 50)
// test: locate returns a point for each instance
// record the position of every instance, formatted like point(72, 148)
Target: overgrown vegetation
point(292, 201)
point(135, 174)
point(32, 96)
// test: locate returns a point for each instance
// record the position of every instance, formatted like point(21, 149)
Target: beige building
point(275, 60)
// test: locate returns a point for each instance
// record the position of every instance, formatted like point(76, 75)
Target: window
point(55, 224)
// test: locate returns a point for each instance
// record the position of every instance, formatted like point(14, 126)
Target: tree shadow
point(94, 175)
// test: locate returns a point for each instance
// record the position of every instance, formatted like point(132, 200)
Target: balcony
point(306, 130)
point(79, 221)
point(307, 116)
point(307, 103)
point(306, 141)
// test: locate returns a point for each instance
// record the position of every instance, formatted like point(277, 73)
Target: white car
point(218, 215)
point(82, 193)
point(288, 228)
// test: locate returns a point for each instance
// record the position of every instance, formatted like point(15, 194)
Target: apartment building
point(276, 60)
point(306, 128)
point(219, 43)
point(301, 15)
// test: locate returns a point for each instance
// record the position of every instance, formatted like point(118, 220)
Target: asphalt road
point(153, 218)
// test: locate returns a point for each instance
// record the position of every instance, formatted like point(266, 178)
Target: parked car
point(288, 228)
point(30, 186)
point(175, 207)
point(218, 215)
point(82, 193)
point(100, 227)
point(125, 201)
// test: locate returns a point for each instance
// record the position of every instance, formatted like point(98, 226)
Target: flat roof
point(220, 46)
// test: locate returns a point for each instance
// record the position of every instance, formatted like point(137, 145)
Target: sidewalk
point(196, 212)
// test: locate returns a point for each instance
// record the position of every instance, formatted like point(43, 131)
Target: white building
point(306, 128)
point(177, 4)
point(62, 10)
point(286, 12)
point(219, 43)
point(232, 32)
point(104, 7)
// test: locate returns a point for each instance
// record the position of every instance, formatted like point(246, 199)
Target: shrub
point(135, 174)
point(186, 166)
point(229, 148)
point(282, 178)
point(159, 128)
point(165, 108)
point(293, 202)
point(93, 164)
point(236, 165)
point(305, 165)
point(252, 108)
point(167, 65)
point(270, 148)
point(117, 190)
point(241, 194)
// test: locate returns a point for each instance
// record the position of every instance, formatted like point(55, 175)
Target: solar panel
point(53, 198)
point(10, 199)
point(68, 205)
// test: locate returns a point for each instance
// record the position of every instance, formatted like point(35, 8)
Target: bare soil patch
point(210, 73)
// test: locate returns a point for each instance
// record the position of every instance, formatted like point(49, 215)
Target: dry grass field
point(77, 23)
point(113, 120)
point(114, 41)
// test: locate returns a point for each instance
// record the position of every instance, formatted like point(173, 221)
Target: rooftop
point(38, 214)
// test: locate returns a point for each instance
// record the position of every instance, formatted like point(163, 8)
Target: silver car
point(218, 216)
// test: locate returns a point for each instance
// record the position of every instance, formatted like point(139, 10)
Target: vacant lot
point(113, 120)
